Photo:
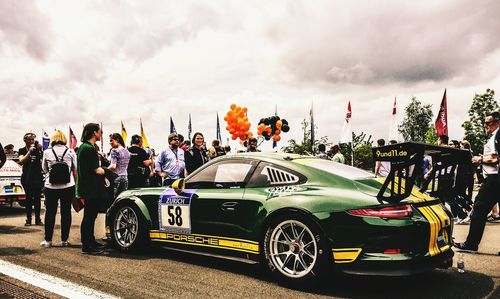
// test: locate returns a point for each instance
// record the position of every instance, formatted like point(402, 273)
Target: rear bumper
point(401, 267)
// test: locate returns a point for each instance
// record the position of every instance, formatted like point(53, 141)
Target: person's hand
point(477, 159)
point(99, 171)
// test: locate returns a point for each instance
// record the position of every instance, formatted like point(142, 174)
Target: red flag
point(72, 139)
point(442, 118)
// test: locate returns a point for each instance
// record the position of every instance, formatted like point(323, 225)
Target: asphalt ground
point(162, 273)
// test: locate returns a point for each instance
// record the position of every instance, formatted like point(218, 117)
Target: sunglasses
point(487, 123)
point(174, 139)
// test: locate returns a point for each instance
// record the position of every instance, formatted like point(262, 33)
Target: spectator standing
point(170, 163)
point(138, 166)
point(30, 157)
point(9, 149)
point(196, 156)
point(337, 155)
point(382, 168)
point(322, 152)
point(88, 181)
point(119, 159)
point(227, 149)
point(216, 150)
point(488, 194)
point(58, 186)
point(252, 145)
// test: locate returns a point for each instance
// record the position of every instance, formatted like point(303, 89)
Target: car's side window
point(267, 175)
point(232, 173)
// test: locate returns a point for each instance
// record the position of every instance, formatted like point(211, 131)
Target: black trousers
point(33, 193)
point(136, 181)
point(52, 197)
point(88, 222)
point(488, 196)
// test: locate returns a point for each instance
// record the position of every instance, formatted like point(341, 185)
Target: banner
point(312, 126)
point(145, 142)
point(172, 126)
point(124, 133)
point(190, 128)
point(442, 118)
point(346, 136)
point(45, 140)
point(217, 134)
point(72, 139)
point(393, 130)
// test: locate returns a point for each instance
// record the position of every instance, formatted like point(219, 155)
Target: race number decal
point(175, 211)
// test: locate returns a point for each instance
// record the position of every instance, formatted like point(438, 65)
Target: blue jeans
point(121, 184)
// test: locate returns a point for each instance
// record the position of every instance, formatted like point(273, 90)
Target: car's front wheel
point(129, 231)
point(295, 250)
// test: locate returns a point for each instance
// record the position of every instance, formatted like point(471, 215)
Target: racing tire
point(129, 231)
point(296, 252)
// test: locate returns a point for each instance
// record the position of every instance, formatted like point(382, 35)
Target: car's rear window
point(339, 169)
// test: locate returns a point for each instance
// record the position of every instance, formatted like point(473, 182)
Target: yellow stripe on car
point(345, 255)
point(206, 241)
point(438, 220)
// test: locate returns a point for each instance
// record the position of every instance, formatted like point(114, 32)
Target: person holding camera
point(58, 163)
point(30, 157)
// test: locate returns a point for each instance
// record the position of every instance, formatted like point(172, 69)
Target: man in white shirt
point(489, 193)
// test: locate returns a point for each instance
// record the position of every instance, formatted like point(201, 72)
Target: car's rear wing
point(407, 165)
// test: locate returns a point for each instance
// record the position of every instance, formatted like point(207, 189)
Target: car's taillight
point(392, 212)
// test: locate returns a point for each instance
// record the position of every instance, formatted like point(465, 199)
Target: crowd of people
point(63, 174)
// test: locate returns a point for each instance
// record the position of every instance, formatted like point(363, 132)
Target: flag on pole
point(145, 142)
point(346, 136)
point(102, 139)
point(190, 127)
point(172, 126)
point(45, 140)
point(442, 118)
point(124, 133)
point(72, 139)
point(218, 135)
point(275, 143)
point(393, 130)
point(312, 125)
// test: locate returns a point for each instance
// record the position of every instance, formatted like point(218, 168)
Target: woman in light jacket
point(58, 191)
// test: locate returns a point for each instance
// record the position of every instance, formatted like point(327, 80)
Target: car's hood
point(10, 169)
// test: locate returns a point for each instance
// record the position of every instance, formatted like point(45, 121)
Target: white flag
point(393, 130)
point(346, 136)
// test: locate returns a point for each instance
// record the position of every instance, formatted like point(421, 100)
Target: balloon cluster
point(237, 123)
point(271, 127)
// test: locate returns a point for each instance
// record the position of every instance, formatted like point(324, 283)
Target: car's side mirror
point(178, 186)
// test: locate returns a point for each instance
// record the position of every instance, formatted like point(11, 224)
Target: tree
point(416, 122)
point(305, 147)
point(357, 141)
point(431, 136)
point(475, 132)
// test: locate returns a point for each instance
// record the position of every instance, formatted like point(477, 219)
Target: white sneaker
point(65, 244)
point(46, 244)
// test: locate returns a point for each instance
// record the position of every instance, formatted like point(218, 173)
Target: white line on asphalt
point(50, 283)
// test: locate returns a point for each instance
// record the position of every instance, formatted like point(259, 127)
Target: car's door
point(217, 203)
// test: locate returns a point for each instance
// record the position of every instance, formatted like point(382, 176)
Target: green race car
point(301, 216)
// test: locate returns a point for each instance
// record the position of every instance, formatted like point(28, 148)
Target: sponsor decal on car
point(206, 241)
point(279, 191)
point(174, 211)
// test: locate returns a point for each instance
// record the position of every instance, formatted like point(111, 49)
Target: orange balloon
point(268, 130)
point(277, 132)
point(277, 138)
point(279, 123)
point(243, 136)
point(233, 106)
point(245, 109)
point(250, 134)
point(234, 137)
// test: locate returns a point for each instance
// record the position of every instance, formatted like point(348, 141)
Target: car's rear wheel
point(295, 250)
point(129, 231)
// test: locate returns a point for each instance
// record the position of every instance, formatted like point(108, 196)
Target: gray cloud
point(393, 42)
point(23, 25)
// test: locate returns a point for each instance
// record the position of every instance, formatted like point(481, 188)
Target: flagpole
point(352, 155)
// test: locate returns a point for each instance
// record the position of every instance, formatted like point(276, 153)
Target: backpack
point(59, 172)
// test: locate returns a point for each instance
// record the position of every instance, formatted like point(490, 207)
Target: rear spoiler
point(407, 165)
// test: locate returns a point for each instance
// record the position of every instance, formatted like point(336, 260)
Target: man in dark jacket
point(88, 185)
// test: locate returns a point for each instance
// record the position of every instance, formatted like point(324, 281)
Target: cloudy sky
point(71, 62)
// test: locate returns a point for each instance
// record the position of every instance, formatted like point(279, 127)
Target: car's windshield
point(339, 169)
